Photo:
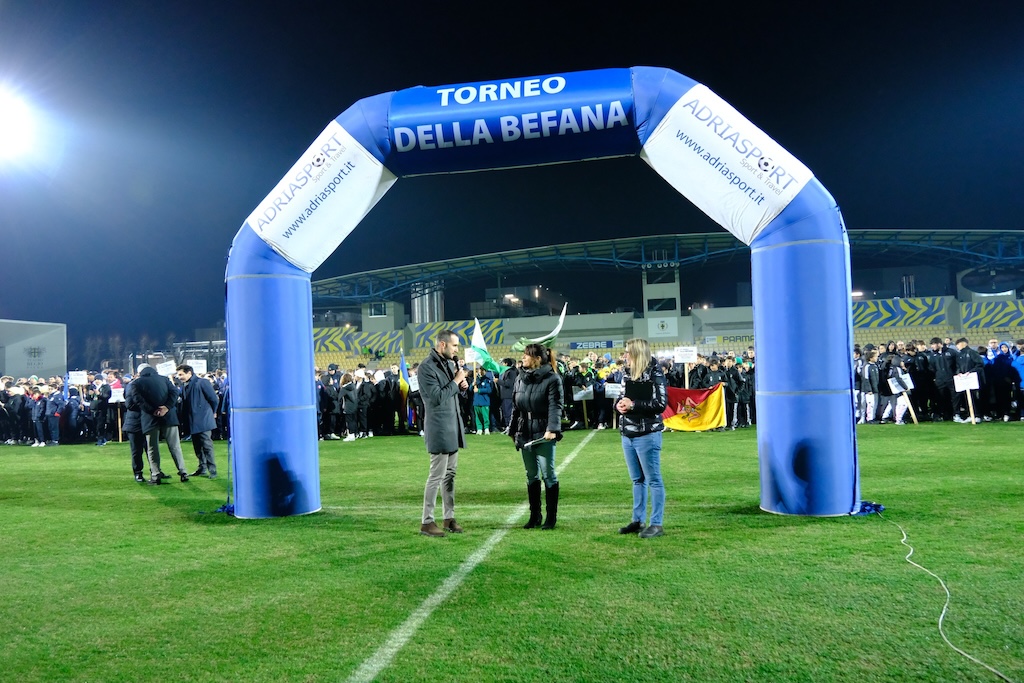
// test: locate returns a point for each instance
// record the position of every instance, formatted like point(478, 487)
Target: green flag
point(485, 360)
point(547, 340)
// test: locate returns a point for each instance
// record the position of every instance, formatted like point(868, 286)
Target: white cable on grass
point(380, 659)
point(945, 607)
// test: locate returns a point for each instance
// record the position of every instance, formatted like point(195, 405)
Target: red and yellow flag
point(695, 410)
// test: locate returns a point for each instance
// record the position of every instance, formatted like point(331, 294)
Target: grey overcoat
point(442, 422)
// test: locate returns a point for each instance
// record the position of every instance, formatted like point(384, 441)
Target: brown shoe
point(431, 529)
point(452, 526)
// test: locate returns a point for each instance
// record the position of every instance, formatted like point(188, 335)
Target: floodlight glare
point(17, 128)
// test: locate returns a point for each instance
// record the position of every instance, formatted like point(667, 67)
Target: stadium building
point(906, 284)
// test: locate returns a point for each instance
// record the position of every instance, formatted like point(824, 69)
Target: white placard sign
point(685, 354)
point(116, 395)
point(198, 365)
point(414, 383)
point(321, 199)
point(724, 164)
point(581, 394)
point(968, 380)
point(166, 368)
point(78, 378)
point(895, 386)
point(612, 390)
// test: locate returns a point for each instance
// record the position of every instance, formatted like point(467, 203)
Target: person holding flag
point(405, 423)
point(644, 399)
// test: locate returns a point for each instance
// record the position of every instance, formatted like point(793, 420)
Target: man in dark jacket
point(156, 396)
point(942, 365)
point(967, 360)
point(442, 383)
point(136, 439)
point(506, 383)
point(199, 403)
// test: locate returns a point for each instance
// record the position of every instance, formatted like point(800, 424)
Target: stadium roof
point(954, 249)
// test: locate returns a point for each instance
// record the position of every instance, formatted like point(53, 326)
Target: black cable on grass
point(945, 607)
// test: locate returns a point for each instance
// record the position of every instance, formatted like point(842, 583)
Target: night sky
point(163, 125)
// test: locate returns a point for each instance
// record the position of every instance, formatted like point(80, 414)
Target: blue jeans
point(540, 463)
point(643, 460)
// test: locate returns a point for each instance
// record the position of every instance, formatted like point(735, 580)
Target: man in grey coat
point(199, 401)
point(441, 382)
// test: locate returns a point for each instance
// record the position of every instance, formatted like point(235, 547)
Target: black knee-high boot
point(551, 502)
point(533, 491)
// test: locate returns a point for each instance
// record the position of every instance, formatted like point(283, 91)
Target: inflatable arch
point(696, 141)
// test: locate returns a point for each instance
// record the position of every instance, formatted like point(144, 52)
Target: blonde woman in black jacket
point(537, 417)
point(641, 425)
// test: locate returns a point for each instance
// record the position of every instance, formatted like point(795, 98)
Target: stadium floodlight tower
point(740, 177)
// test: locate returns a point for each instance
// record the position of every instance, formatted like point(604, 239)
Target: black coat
point(132, 418)
point(349, 398)
point(537, 404)
point(152, 391)
point(199, 400)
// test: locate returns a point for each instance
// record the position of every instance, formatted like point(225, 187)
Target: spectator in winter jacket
point(640, 424)
point(536, 428)
point(869, 387)
point(54, 406)
point(968, 360)
point(38, 406)
point(483, 387)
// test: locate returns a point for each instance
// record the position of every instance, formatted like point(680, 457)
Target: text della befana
point(509, 127)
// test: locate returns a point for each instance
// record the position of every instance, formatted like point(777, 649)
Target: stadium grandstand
point(907, 284)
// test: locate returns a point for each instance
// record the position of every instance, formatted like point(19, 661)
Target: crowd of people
point(45, 412)
point(920, 376)
point(361, 403)
point(888, 383)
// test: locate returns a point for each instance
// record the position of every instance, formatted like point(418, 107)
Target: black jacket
point(645, 416)
point(537, 405)
point(152, 391)
point(942, 363)
point(969, 360)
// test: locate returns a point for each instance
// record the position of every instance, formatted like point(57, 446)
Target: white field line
point(384, 655)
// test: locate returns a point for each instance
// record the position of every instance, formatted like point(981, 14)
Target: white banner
point(322, 199)
point(612, 390)
point(116, 395)
point(78, 378)
point(166, 368)
point(685, 354)
point(730, 169)
point(198, 365)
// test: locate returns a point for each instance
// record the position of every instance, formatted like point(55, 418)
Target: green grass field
point(103, 579)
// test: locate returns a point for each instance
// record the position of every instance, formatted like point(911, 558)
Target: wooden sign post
point(967, 382)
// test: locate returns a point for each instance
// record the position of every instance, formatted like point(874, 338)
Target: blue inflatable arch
point(698, 143)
